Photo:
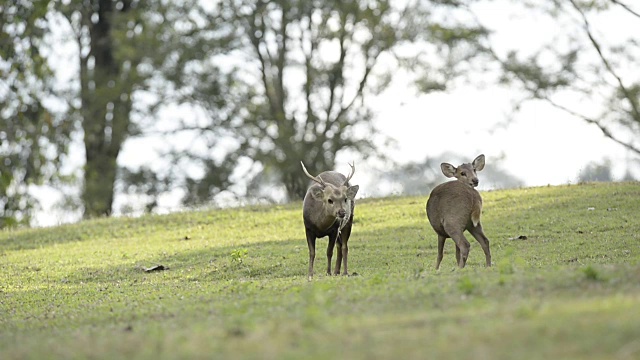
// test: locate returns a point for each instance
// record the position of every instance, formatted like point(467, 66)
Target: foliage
point(115, 66)
point(272, 83)
point(33, 135)
point(123, 53)
point(596, 172)
point(238, 255)
point(584, 62)
point(79, 291)
point(298, 77)
point(591, 273)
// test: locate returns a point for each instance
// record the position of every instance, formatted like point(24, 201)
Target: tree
point(274, 82)
point(106, 33)
point(596, 172)
point(33, 135)
point(131, 56)
point(130, 62)
point(298, 77)
point(127, 52)
point(586, 63)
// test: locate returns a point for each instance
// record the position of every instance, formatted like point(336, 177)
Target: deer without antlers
point(455, 206)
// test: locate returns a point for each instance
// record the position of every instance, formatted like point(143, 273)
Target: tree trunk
point(99, 177)
point(295, 184)
point(295, 181)
point(105, 115)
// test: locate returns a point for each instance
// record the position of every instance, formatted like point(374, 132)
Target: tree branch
point(256, 42)
point(371, 60)
point(626, 7)
point(609, 67)
point(538, 95)
point(605, 131)
point(336, 74)
point(282, 57)
point(308, 86)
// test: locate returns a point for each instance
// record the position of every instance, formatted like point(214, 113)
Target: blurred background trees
point(587, 63)
point(34, 135)
point(297, 83)
point(235, 93)
point(419, 178)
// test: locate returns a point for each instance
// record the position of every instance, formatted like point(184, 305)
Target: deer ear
point(448, 170)
point(317, 192)
point(478, 163)
point(352, 191)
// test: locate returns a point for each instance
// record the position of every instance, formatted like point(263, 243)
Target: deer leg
point(332, 243)
point(462, 247)
point(311, 242)
point(336, 270)
point(478, 233)
point(441, 240)
point(343, 250)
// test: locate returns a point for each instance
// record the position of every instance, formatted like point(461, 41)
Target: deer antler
point(314, 178)
point(353, 170)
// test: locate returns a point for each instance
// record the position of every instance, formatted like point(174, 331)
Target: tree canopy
point(238, 92)
point(34, 135)
point(297, 79)
point(587, 69)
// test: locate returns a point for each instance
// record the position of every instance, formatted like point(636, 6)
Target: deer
point(456, 206)
point(327, 210)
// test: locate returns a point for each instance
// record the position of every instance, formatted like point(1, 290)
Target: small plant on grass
point(466, 286)
point(238, 255)
point(505, 266)
point(590, 273)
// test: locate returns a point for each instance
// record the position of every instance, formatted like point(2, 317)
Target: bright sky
point(542, 145)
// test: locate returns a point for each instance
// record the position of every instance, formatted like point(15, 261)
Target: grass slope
point(236, 284)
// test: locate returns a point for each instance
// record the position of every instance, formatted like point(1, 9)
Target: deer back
point(456, 203)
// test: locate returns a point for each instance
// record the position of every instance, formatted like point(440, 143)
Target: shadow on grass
point(545, 218)
point(179, 223)
point(370, 251)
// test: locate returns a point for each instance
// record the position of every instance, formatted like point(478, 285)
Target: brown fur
point(328, 211)
point(456, 206)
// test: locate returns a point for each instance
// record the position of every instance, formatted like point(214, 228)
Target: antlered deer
point(455, 206)
point(328, 211)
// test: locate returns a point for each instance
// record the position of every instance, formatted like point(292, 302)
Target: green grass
point(236, 284)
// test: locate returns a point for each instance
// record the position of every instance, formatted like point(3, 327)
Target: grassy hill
point(234, 284)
